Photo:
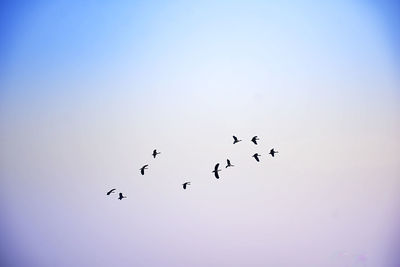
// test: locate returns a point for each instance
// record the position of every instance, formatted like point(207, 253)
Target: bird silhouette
point(155, 153)
point(254, 139)
point(256, 156)
point(272, 152)
point(228, 163)
point(143, 168)
point(121, 196)
point(236, 140)
point(185, 185)
point(111, 191)
point(215, 171)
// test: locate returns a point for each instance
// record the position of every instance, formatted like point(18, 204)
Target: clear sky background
point(88, 89)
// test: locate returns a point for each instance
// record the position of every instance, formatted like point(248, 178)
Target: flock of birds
point(256, 156)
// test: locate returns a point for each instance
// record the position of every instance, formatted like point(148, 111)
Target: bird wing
point(254, 140)
point(142, 170)
point(235, 138)
point(256, 157)
point(228, 161)
point(112, 190)
point(216, 175)
point(216, 167)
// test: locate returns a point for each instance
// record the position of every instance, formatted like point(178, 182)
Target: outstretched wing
point(142, 170)
point(228, 161)
point(111, 191)
point(216, 167)
point(216, 174)
point(256, 157)
point(184, 186)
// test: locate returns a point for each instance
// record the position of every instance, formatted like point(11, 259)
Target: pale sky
point(88, 90)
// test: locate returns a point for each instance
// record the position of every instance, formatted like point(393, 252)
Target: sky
point(89, 88)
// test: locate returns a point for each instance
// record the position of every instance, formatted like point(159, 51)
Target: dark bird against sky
point(254, 139)
point(111, 191)
point(215, 171)
point(256, 156)
point(143, 168)
point(236, 140)
point(155, 153)
point(121, 196)
point(228, 163)
point(185, 184)
point(272, 152)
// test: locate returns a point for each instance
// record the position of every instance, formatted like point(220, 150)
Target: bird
point(155, 153)
point(254, 139)
point(272, 152)
point(215, 171)
point(236, 140)
point(256, 156)
point(111, 191)
point(121, 196)
point(185, 185)
point(228, 163)
point(143, 168)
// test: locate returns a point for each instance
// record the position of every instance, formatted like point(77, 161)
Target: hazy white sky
point(88, 90)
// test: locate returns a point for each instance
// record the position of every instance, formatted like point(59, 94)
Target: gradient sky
point(88, 89)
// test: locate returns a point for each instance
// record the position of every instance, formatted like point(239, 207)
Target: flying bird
point(143, 168)
point(254, 139)
point(236, 140)
point(256, 156)
point(228, 163)
point(272, 152)
point(215, 171)
point(111, 191)
point(185, 185)
point(121, 196)
point(155, 153)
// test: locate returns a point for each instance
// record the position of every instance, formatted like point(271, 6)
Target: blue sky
point(88, 90)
